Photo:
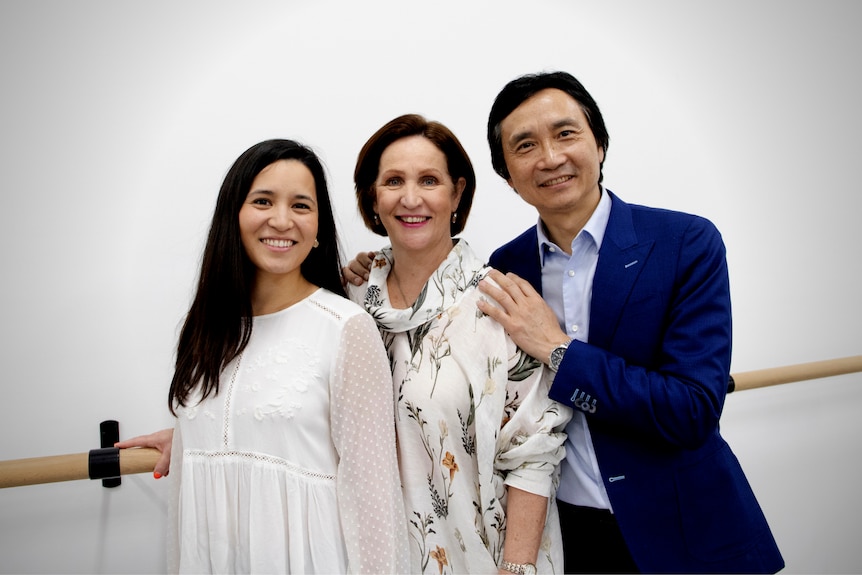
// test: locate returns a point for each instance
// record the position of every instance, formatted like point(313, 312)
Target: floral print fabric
point(472, 416)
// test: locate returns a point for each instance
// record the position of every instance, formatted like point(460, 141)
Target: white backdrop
point(119, 119)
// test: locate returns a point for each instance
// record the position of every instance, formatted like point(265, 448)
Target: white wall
point(118, 121)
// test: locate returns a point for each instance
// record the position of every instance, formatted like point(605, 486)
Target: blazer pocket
point(720, 515)
point(644, 300)
point(645, 306)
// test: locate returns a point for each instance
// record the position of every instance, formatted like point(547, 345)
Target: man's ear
point(509, 181)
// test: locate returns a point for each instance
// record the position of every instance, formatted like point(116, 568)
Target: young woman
point(284, 451)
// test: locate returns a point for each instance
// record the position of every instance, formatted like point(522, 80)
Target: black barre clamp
point(104, 463)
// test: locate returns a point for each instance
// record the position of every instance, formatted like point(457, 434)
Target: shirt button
point(571, 273)
point(575, 328)
point(552, 249)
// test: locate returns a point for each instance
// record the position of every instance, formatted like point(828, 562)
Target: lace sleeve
point(363, 431)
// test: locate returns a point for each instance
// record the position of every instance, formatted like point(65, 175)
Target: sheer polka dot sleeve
point(363, 431)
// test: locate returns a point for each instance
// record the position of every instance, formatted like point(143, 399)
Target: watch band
point(519, 568)
point(556, 356)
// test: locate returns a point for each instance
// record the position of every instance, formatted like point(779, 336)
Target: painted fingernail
point(157, 475)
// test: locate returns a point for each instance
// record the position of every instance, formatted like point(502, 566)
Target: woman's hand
point(160, 440)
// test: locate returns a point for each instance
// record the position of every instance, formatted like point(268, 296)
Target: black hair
point(520, 89)
point(218, 325)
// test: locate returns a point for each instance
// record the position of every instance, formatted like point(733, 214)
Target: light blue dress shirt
point(567, 284)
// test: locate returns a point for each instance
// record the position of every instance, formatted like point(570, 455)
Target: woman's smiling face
point(415, 196)
point(278, 220)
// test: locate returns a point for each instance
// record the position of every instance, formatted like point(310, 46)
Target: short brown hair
point(368, 165)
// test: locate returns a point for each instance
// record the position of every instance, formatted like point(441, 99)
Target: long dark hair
point(218, 325)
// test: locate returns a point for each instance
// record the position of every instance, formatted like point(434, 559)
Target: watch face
point(529, 569)
point(557, 358)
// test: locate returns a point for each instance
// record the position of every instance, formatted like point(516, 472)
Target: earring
point(376, 220)
point(315, 244)
point(454, 217)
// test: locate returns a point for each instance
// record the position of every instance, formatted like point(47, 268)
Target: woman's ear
point(459, 189)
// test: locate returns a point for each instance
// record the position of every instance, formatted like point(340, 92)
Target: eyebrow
point(303, 198)
point(292, 195)
point(561, 123)
point(390, 172)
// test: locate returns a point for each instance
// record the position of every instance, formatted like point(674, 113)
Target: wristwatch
point(519, 568)
point(556, 357)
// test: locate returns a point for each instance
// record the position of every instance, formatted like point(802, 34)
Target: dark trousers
point(592, 542)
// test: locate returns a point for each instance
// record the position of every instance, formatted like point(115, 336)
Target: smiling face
point(278, 219)
point(415, 197)
point(552, 155)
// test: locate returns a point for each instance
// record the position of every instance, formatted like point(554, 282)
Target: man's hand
point(160, 440)
point(356, 270)
point(523, 313)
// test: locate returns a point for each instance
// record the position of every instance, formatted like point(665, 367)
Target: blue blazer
point(652, 381)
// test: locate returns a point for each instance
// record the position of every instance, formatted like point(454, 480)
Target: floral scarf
point(460, 270)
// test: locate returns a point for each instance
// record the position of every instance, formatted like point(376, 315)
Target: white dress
point(473, 417)
point(291, 467)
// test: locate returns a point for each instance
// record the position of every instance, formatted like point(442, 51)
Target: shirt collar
point(594, 228)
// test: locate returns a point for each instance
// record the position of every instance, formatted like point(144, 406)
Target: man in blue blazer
point(631, 307)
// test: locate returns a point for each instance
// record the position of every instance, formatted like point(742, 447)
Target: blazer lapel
point(524, 259)
point(621, 259)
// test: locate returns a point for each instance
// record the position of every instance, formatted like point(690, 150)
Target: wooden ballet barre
point(790, 373)
point(96, 464)
point(111, 462)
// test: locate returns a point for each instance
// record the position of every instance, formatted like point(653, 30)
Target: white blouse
point(291, 467)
